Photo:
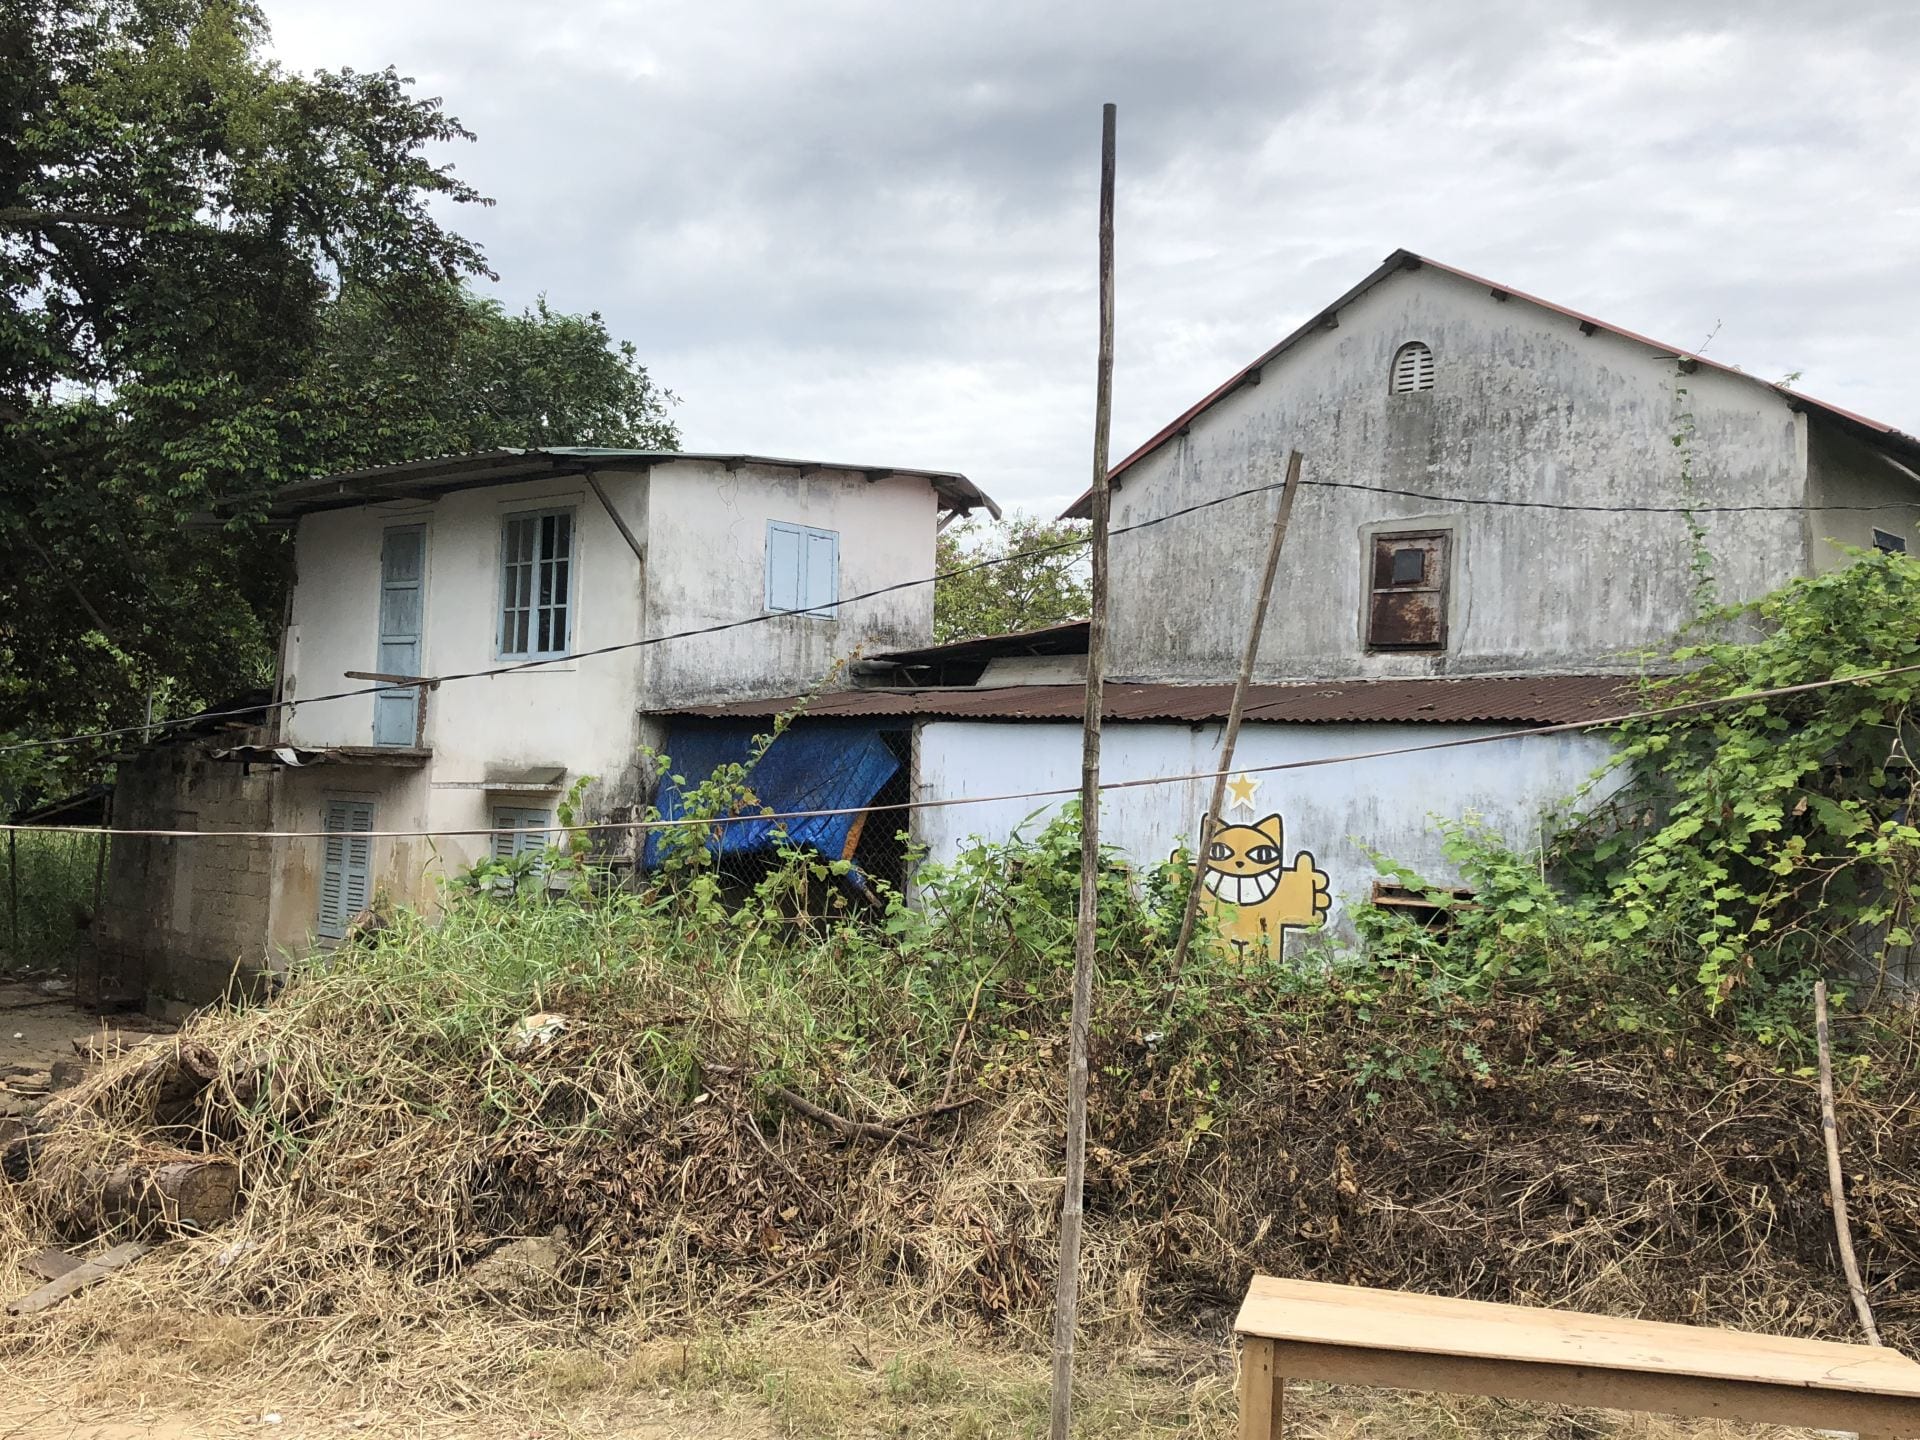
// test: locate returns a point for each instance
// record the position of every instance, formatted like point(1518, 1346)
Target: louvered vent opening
point(1412, 369)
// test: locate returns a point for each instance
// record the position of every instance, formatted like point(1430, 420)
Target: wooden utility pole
point(1237, 708)
point(1066, 1295)
point(1836, 1179)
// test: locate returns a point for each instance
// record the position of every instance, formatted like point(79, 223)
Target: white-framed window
point(536, 584)
point(1412, 369)
point(346, 868)
point(803, 569)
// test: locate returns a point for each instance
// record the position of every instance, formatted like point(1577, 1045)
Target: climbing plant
point(1734, 850)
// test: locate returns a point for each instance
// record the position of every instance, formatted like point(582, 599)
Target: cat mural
point(1255, 895)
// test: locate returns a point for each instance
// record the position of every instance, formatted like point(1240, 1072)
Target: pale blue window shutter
point(785, 565)
point(346, 873)
point(823, 573)
point(520, 832)
point(403, 554)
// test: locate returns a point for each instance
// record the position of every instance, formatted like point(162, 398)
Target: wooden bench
point(1302, 1330)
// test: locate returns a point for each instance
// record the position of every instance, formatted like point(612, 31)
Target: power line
point(1602, 509)
point(1746, 697)
point(270, 707)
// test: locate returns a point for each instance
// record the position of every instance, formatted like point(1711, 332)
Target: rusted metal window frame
point(1374, 540)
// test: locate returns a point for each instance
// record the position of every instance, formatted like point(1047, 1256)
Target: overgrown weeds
point(46, 899)
point(711, 1108)
point(657, 1107)
point(1734, 852)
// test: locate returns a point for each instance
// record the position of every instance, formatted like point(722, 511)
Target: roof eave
point(442, 475)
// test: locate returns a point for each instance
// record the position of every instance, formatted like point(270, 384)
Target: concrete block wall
point(183, 919)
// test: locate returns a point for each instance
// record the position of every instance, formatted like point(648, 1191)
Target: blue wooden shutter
point(785, 565)
point(519, 831)
point(346, 872)
point(823, 572)
point(403, 578)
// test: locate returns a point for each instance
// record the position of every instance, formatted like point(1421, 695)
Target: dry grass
point(726, 1257)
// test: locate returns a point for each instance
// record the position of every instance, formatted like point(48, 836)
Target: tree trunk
point(175, 1195)
point(185, 1193)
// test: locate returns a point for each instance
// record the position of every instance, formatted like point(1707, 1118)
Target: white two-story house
point(603, 583)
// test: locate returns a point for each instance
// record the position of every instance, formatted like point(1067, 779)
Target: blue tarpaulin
point(824, 767)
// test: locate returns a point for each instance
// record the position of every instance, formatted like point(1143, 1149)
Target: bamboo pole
point(1066, 1295)
point(1830, 1132)
point(1238, 707)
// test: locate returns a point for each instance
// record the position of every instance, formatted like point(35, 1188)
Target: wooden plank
point(1612, 1389)
point(77, 1279)
point(1261, 1391)
point(51, 1264)
point(1386, 1320)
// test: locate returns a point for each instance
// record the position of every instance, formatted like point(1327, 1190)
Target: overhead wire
point(757, 817)
point(151, 728)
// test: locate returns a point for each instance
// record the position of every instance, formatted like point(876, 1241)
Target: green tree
point(219, 276)
point(175, 213)
point(1044, 587)
point(464, 374)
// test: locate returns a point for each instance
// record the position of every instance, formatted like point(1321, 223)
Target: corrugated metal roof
point(1408, 260)
point(1477, 699)
point(445, 473)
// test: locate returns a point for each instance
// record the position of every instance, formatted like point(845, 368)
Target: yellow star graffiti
point(1240, 792)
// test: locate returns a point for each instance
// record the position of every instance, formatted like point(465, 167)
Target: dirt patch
point(752, 1381)
point(39, 1024)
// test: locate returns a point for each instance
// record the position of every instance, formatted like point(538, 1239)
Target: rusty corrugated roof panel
point(1475, 699)
point(1408, 260)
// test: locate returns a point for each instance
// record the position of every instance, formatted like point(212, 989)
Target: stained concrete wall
point(1337, 813)
point(1524, 407)
point(708, 566)
point(1845, 473)
point(182, 919)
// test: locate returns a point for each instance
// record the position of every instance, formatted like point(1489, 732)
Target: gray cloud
point(864, 230)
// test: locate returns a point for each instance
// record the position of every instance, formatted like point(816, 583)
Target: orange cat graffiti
point(1252, 890)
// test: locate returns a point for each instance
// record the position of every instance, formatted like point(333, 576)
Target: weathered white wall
point(708, 566)
point(1337, 812)
point(1842, 471)
point(1524, 406)
point(1033, 670)
point(577, 714)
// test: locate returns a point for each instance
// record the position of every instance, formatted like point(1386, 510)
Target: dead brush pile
point(670, 1107)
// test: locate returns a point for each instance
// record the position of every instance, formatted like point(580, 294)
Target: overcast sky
point(863, 230)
